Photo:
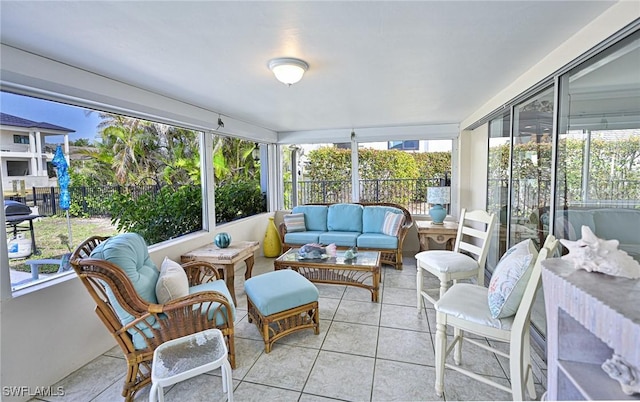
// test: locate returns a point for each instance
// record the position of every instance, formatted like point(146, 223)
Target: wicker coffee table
point(362, 272)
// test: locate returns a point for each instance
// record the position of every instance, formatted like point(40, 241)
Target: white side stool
point(183, 358)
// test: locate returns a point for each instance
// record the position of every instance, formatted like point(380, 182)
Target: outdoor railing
point(410, 193)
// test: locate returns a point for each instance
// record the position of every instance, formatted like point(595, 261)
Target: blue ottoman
point(280, 303)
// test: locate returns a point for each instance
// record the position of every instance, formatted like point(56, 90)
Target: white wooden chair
point(474, 235)
point(466, 309)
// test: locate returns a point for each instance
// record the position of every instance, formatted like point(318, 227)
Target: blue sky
point(39, 110)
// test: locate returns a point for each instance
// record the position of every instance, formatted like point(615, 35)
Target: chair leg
point(517, 367)
point(420, 302)
point(457, 349)
point(441, 348)
point(526, 361)
point(444, 285)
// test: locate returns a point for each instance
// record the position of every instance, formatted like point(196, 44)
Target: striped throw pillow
point(295, 222)
point(392, 223)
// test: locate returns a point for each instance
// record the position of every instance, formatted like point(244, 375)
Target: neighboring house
point(24, 154)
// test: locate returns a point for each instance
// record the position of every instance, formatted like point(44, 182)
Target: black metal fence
point(89, 201)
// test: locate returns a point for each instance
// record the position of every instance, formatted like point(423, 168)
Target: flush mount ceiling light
point(288, 70)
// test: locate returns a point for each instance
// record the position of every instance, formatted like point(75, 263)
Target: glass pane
point(401, 171)
point(239, 191)
point(498, 185)
point(598, 182)
point(531, 168)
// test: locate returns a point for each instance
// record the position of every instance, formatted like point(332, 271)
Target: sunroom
point(553, 86)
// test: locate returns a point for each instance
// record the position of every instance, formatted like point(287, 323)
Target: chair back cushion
point(345, 218)
point(509, 279)
point(315, 216)
point(129, 252)
point(373, 217)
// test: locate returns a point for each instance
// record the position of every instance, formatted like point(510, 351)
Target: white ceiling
point(372, 64)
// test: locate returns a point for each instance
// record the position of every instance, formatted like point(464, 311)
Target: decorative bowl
point(222, 240)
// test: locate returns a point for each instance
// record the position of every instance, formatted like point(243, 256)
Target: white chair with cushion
point(501, 313)
point(467, 259)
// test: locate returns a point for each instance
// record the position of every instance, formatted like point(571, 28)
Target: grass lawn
point(52, 238)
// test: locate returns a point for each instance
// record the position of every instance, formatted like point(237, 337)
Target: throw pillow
point(172, 282)
point(510, 278)
point(295, 222)
point(392, 223)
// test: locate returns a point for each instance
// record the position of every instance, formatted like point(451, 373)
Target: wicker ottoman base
point(275, 326)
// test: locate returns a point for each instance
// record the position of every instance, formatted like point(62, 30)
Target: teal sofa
point(607, 223)
point(350, 224)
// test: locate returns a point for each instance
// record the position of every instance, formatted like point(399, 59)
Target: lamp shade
point(288, 70)
point(439, 195)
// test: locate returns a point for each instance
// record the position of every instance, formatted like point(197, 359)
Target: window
point(239, 188)
point(404, 145)
point(17, 168)
point(146, 173)
point(323, 173)
point(20, 139)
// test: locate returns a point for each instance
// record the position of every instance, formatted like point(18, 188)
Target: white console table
point(589, 316)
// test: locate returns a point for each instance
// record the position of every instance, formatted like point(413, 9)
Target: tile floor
point(365, 352)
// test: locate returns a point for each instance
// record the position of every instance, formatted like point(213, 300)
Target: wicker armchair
point(152, 324)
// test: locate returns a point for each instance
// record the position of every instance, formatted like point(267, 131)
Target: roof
point(11, 120)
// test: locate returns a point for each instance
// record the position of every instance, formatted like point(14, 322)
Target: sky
point(39, 110)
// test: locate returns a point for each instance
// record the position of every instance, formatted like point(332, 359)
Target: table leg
point(33, 237)
point(229, 280)
point(249, 262)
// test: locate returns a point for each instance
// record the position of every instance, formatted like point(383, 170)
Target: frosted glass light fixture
point(288, 70)
point(438, 196)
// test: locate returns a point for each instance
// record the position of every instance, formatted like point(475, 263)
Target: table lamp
point(437, 196)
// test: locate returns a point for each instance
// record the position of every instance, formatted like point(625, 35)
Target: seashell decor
point(623, 372)
point(596, 255)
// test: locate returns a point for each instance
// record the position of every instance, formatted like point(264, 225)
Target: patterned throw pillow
point(295, 222)
point(510, 278)
point(392, 223)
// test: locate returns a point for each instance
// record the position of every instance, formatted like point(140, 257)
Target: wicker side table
point(183, 358)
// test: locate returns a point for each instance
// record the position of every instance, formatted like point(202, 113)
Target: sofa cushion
point(617, 223)
point(373, 217)
point(377, 240)
point(310, 236)
point(341, 239)
point(392, 223)
point(509, 279)
point(315, 216)
point(295, 222)
point(345, 218)
point(172, 282)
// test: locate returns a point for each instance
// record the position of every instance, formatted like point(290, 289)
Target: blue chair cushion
point(376, 240)
point(315, 216)
point(373, 217)
point(278, 291)
point(218, 286)
point(129, 252)
point(341, 239)
point(345, 218)
point(302, 237)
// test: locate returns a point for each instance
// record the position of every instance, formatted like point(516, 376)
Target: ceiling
point(372, 64)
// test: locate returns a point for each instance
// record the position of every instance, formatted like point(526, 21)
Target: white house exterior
point(23, 155)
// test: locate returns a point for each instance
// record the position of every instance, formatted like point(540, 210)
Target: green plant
point(237, 200)
point(169, 213)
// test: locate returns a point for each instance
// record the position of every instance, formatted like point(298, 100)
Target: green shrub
point(237, 200)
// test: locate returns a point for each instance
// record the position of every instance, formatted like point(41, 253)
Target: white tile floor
point(365, 352)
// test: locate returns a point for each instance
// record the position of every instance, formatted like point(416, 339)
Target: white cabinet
point(589, 317)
